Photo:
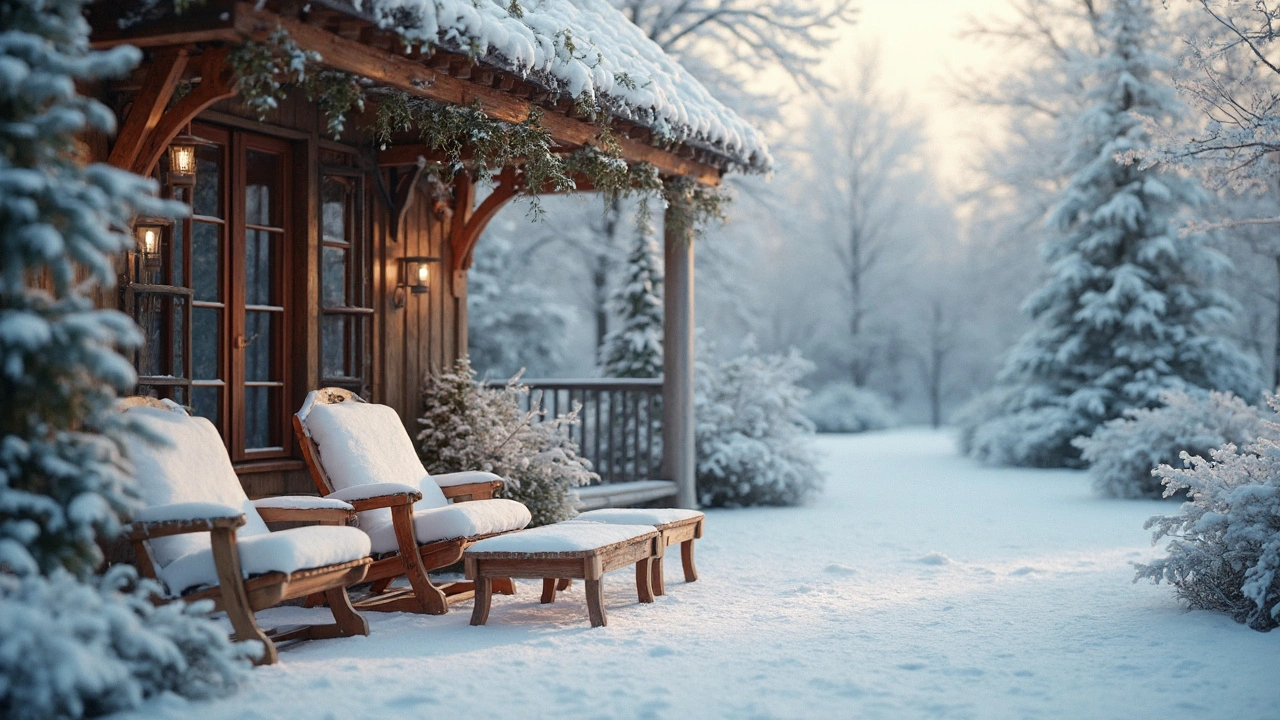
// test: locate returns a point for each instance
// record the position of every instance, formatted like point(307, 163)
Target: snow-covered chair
point(359, 452)
point(201, 536)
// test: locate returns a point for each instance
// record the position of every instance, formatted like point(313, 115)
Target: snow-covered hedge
point(1122, 453)
point(469, 426)
point(70, 649)
point(753, 441)
point(1225, 548)
point(1030, 437)
point(846, 408)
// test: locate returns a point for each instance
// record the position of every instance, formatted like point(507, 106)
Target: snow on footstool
point(565, 550)
point(674, 526)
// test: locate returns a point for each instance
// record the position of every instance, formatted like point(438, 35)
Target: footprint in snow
point(935, 558)
point(841, 570)
point(1026, 570)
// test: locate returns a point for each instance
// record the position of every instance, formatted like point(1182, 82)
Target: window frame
point(358, 280)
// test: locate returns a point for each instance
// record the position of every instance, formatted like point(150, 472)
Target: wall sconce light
point(149, 233)
point(415, 277)
point(182, 158)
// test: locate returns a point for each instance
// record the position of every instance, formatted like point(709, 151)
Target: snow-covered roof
point(580, 48)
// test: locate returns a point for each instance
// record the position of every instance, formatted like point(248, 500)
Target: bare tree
point(866, 147)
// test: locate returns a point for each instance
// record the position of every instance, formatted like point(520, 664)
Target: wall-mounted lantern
point(415, 277)
point(182, 158)
point(149, 234)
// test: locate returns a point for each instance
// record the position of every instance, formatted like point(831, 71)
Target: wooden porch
point(292, 272)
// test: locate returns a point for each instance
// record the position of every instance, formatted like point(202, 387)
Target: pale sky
point(920, 47)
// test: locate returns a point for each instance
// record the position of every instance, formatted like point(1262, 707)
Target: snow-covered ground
point(920, 584)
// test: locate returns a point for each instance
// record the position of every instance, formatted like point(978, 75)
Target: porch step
point(623, 494)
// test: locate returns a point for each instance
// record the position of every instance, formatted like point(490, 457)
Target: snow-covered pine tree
point(1129, 311)
point(63, 476)
point(634, 347)
point(72, 644)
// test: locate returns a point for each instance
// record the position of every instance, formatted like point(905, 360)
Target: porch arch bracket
point(149, 128)
point(465, 238)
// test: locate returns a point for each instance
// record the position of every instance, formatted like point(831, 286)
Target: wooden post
point(677, 356)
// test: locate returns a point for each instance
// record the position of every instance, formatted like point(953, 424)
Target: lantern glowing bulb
point(149, 241)
point(422, 274)
point(183, 160)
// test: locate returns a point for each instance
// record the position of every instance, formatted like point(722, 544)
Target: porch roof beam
point(402, 73)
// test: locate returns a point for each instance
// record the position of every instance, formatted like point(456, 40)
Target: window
point(225, 271)
point(344, 281)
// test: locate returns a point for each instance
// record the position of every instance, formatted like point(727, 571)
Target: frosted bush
point(469, 426)
point(1031, 437)
point(1123, 453)
point(753, 441)
point(1225, 548)
point(70, 649)
point(846, 408)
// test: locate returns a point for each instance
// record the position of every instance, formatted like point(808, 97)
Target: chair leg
point(348, 620)
point(380, 586)
point(564, 584)
point(484, 595)
point(644, 580)
point(595, 603)
point(656, 578)
point(226, 559)
point(549, 590)
point(504, 586)
point(430, 598)
point(686, 558)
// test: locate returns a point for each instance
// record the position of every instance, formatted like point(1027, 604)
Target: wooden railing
point(621, 422)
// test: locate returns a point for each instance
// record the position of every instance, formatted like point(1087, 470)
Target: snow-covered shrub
point(71, 649)
point(846, 408)
point(1225, 549)
point(1122, 453)
point(469, 426)
point(753, 440)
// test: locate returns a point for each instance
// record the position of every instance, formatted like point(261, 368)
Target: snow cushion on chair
point(468, 519)
point(190, 466)
point(361, 444)
point(284, 551)
point(561, 537)
point(464, 478)
point(301, 502)
point(638, 516)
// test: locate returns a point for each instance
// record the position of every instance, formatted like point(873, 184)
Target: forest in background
point(853, 252)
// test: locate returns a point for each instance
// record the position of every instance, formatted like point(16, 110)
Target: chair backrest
point(187, 463)
point(348, 442)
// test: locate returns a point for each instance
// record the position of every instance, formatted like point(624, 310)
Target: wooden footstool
point(674, 526)
point(564, 550)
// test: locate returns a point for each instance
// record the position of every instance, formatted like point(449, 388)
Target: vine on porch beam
point(470, 139)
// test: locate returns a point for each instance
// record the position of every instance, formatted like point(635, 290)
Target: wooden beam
point(398, 72)
point(158, 85)
point(678, 447)
point(185, 37)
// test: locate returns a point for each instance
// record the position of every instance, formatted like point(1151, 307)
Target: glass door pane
point(263, 339)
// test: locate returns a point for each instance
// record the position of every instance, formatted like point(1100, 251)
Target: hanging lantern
point(182, 158)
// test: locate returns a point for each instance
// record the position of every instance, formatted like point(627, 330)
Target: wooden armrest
point(379, 495)
point(324, 516)
point(146, 530)
point(472, 491)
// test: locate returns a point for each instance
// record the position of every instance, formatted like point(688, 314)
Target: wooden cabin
point(310, 261)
